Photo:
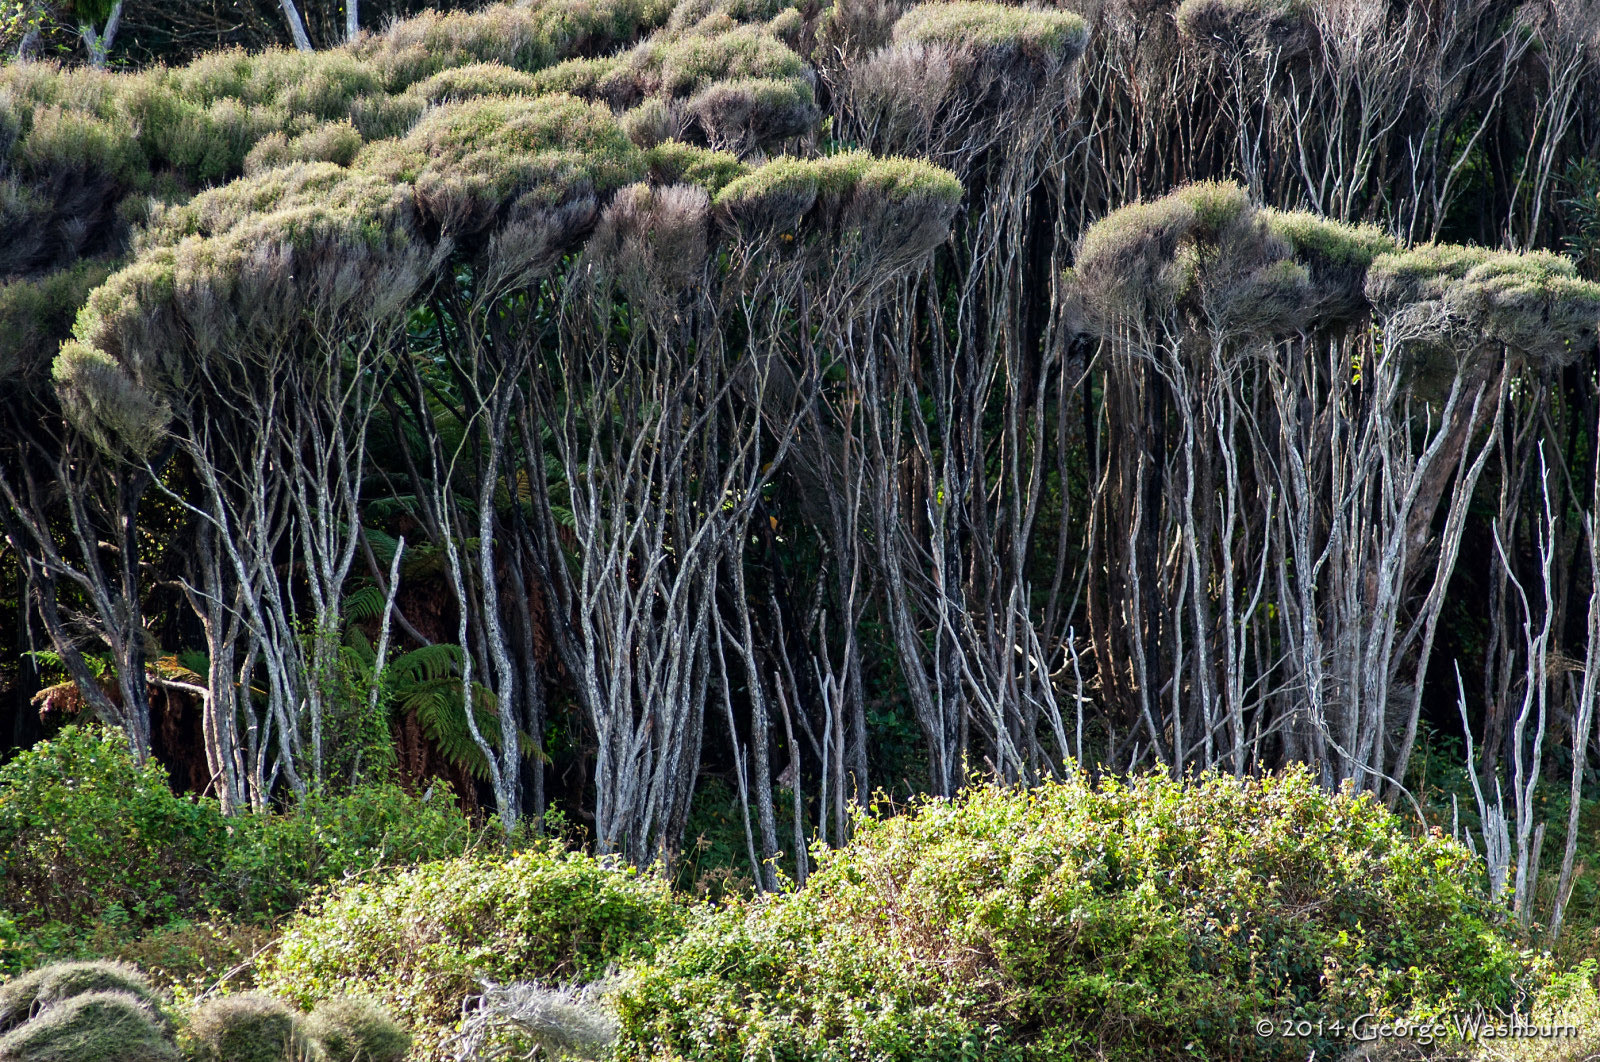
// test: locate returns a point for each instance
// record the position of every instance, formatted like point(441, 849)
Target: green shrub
point(276, 859)
point(192, 957)
point(476, 79)
point(93, 1027)
point(250, 1027)
point(356, 1030)
point(419, 941)
point(692, 63)
point(102, 849)
point(83, 827)
point(1155, 919)
point(756, 111)
point(39, 990)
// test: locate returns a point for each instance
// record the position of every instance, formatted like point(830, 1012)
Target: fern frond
point(363, 605)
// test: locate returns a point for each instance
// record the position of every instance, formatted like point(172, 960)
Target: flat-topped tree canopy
point(87, 151)
point(1336, 254)
point(457, 122)
point(996, 29)
point(1208, 252)
point(1283, 26)
point(1204, 252)
point(1533, 304)
point(331, 232)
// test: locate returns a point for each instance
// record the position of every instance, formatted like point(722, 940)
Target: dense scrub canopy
point(1083, 920)
point(1534, 303)
point(1204, 250)
point(1247, 25)
point(115, 844)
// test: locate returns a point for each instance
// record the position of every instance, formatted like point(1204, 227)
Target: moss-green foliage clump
point(81, 142)
point(839, 191)
point(419, 941)
point(250, 1027)
point(38, 314)
point(526, 36)
point(100, 1026)
point(674, 162)
point(1129, 255)
point(356, 1030)
point(1086, 921)
point(1206, 252)
point(985, 27)
point(551, 148)
point(1533, 304)
point(336, 142)
point(1337, 255)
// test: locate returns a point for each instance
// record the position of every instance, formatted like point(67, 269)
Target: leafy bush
point(93, 1027)
point(420, 941)
point(1155, 919)
point(275, 860)
point(103, 851)
point(83, 827)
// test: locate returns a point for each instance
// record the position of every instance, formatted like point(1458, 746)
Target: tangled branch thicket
point(773, 385)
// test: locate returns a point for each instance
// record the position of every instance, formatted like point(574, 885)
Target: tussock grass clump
point(39, 990)
point(1083, 920)
point(250, 1027)
point(97, 1026)
point(356, 1030)
point(563, 1022)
